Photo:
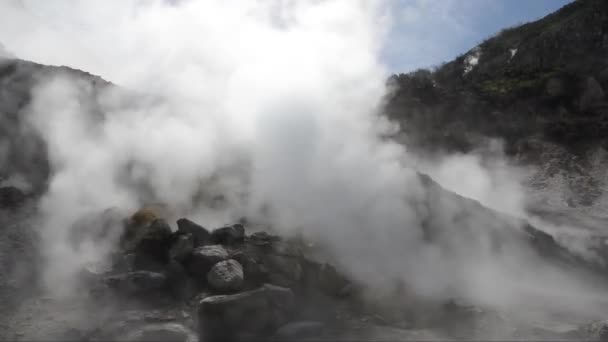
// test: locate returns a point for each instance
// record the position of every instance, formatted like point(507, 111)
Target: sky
point(422, 33)
point(426, 33)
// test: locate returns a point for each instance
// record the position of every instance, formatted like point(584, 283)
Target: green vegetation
point(539, 79)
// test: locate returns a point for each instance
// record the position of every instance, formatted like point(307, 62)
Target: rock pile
point(11, 197)
point(237, 285)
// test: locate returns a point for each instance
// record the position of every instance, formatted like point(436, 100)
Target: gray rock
point(149, 240)
point(256, 273)
point(330, 280)
point(11, 197)
point(199, 233)
point(229, 235)
point(280, 298)
point(261, 310)
point(226, 276)
point(263, 239)
point(179, 283)
point(554, 87)
point(591, 95)
point(203, 258)
point(288, 267)
point(182, 247)
point(160, 332)
point(296, 330)
point(597, 331)
point(137, 282)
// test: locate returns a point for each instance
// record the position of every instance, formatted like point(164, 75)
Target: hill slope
point(539, 87)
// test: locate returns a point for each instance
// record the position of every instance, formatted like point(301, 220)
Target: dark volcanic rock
point(11, 197)
point(200, 235)
point(330, 280)
point(263, 239)
point(255, 272)
point(138, 282)
point(299, 330)
point(284, 270)
point(229, 235)
point(149, 240)
point(169, 332)
point(226, 276)
point(180, 284)
point(203, 259)
point(182, 247)
point(259, 311)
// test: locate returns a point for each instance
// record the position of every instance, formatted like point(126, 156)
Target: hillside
point(23, 155)
point(539, 87)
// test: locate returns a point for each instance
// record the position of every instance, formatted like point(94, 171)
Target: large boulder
point(203, 258)
point(331, 280)
point(259, 311)
point(592, 94)
point(182, 247)
point(179, 284)
point(138, 282)
point(255, 272)
point(262, 238)
point(226, 276)
point(299, 330)
point(169, 332)
point(283, 270)
point(166, 324)
point(200, 235)
point(229, 235)
point(150, 240)
point(594, 331)
point(11, 197)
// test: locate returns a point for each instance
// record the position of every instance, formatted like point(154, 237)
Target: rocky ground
point(233, 283)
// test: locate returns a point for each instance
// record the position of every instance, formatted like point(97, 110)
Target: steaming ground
point(269, 111)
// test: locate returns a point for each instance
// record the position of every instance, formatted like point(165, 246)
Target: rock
point(555, 88)
point(146, 215)
point(179, 283)
point(592, 94)
point(297, 330)
point(151, 240)
point(229, 235)
point(597, 331)
point(181, 247)
point(330, 281)
point(123, 262)
point(255, 273)
point(226, 276)
point(11, 197)
point(263, 239)
point(224, 316)
point(261, 310)
point(160, 332)
point(280, 298)
point(288, 248)
point(203, 259)
point(200, 235)
point(288, 267)
point(138, 282)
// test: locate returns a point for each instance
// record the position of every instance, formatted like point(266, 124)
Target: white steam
point(272, 105)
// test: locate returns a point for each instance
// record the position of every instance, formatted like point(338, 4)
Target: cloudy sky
point(428, 32)
point(423, 33)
